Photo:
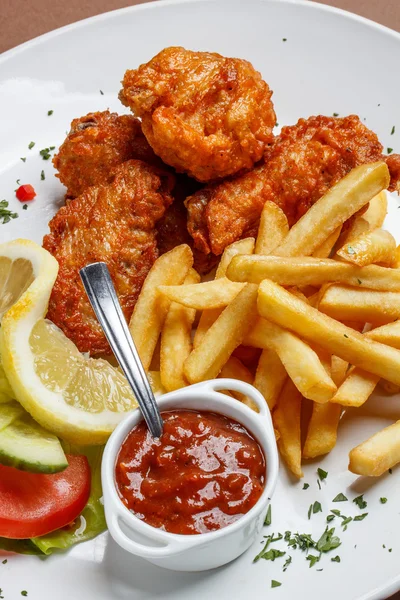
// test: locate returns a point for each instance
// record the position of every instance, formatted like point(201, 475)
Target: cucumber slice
point(28, 447)
point(9, 411)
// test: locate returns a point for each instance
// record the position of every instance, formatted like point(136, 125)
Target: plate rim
point(392, 585)
point(155, 4)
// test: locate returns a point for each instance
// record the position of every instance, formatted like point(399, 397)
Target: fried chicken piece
point(300, 166)
point(115, 224)
point(202, 113)
point(95, 145)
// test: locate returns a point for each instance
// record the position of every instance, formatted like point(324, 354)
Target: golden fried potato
point(202, 113)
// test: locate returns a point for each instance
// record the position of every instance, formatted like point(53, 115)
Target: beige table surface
point(22, 20)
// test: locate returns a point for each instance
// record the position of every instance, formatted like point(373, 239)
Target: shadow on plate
point(125, 572)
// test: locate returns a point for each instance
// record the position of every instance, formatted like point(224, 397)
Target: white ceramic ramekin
point(207, 550)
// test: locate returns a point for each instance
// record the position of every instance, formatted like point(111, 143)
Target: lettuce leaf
point(90, 523)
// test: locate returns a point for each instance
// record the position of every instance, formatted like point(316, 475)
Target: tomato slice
point(32, 504)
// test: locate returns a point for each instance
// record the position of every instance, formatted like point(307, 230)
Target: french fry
point(270, 376)
point(377, 246)
point(245, 246)
point(235, 369)
point(301, 271)
point(388, 334)
point(176, 341)
point(355, 304)
point(300, 361)
point(286, 419)
point(272, 230)
point(228, 331)
point(325, 249)
point(208, 317)
point(357, 227)
point(356, 388)
point(338, 370)
point(151, 308)
point(376, 211)
point(389, 388)
point(341, 202)
point(322, 430)
point(206, 295)
point(396, 264)
point(284, 309)
point(377, 454)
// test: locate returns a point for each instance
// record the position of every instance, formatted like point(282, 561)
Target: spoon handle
point(103, 298)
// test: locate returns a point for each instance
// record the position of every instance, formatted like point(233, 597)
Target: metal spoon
point(103, 298)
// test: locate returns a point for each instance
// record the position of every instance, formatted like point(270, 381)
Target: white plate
point(331, 62)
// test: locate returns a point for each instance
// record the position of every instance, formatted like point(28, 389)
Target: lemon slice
point(78, 398)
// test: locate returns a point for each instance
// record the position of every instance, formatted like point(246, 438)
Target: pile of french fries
point(303, 313)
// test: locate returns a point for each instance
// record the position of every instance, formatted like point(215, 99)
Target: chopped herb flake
point(389, 150)
point(346, 336)
point(269, 540)
point(393, 130)
point(287, 563)
point(322, 474)
point(17, 181)
point(390, 549)
point(101, 92)
point(23, 158)
point(330, 518)
point(317, 507)
point(336, 558)
point(306, 486)
point(268, 516)
point(335, 114)
point(361, 503)
point(336, 512)
point(309, 512)
point(52, 147)
point(340, 497)
point(328, 541)
point(49, 113)
point(24, 593)
point(5, 214)
point(273, 554)
point(359, 281)
point(318, 482)
point(42, 176)
point(275, 583)
point(31, 144)
point(25, 206)
point(45, 153)
point(360, 517)
point(383, 500)
point(313, 559)
point(284, 39)
point(390, 471)
point(4, 562)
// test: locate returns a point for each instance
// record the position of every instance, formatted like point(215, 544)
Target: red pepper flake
point(25, 193)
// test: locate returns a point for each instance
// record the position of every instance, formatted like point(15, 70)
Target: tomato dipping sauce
point(204, 473)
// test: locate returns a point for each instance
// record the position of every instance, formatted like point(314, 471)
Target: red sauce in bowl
point(204, 473)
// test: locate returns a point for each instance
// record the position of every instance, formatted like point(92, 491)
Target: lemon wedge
point(78, 398)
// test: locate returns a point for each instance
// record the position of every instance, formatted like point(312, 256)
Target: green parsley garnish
point(317, 507)
point(346, 336)
point(389, 150)
point(23, 158)
point(383, 500)
point(287, 563)
point(42, 176)
point(336, 558)
point(101, 92)
point(322, 474)
point(284, 39)
point(273, 554)
point(268, 516)
point(345, 522)
point(359, 281)
point(4, 562)
point(390, 471)
point(5, 214)
point(393, 130)
point(24, 593)
point(1, 593)
point(328, 541)
point(269, 539)
point(306, 486)
point(335, 114)
point(275, 583)
point(361, 503)
point(319, 485)
point(49, 113)
point(340, 497)
point(52, 147)
point(330, 518)
point(313, 559)
point(17, 181)
point(390, 549)
point(25, 206)
point(336, 512)
point(31, 144)
point(45, 153)
point(360, 517)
